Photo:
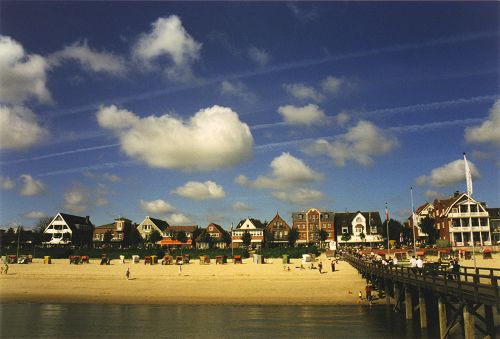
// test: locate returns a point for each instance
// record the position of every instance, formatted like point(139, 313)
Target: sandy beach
point(230, 284)
point(248, 283)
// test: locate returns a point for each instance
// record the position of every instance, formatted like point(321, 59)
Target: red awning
point(168, 242)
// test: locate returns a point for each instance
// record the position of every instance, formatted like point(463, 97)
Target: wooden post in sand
point(468, 323)
point(422, 308)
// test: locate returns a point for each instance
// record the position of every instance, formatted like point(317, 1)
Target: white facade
point(59, 230)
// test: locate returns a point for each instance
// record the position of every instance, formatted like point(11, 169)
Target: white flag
point(468, 177)
point(414, 219)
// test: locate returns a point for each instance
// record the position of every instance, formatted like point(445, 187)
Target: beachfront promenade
point(467, 294)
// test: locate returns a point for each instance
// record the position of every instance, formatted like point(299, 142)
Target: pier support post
point(387, 295)
point(468, 323)
point(443, 322)
point(422, 309)
point(408, 303)
point(490, 322)
point(397, 302)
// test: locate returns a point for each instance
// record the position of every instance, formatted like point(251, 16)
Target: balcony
point(468, 229)
point(467, 215)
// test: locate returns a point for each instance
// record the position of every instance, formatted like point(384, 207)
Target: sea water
point(205, 321)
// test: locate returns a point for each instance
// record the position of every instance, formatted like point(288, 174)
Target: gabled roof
point(73, 221)
point(447, 204)
point(110, 226)
point(345, 218)
point(255, 222)
point(423, 207)
point(161, 224)
point(276, 218)
point(218, 227)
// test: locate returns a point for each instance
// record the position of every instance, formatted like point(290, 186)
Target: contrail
point(473, 36)
point(59, 154)
point(86, 168)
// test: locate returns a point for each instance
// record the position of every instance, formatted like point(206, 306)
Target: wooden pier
point(463, 299)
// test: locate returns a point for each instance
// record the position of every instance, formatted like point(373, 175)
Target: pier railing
point(479, 285)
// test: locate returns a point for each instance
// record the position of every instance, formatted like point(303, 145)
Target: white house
point(252, 226)
point(148, 225)
point(67, 229)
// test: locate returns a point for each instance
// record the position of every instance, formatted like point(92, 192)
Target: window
point(345, 230)
point(211, 228)
point(58, 218)
point(325, 216)
point(454, 210)
point(301, 216)
point(359, 219)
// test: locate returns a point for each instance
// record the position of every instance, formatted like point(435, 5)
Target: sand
point(230, 284)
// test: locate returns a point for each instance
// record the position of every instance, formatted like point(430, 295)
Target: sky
point(213, 112)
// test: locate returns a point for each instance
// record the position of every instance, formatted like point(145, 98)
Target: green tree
point(362, 236)
point(323, 235)
point(135, 238)
point(293, 235)
point(206, 238)
point(226, 238)
point(246, 238)
point(154, 237)
point(181, 236)
point(108, 236)
point(268, 238)
point(395, 229)
point(427, 226)
point(38, 236)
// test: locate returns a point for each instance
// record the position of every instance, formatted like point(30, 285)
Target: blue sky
point(212, 112)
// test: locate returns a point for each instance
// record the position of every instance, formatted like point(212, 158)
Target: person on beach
point(360, 296)
point(5, 268)
point(333, 266)
point(180, 270)
point(127, 273)
point(368, 290)
point(320, 267)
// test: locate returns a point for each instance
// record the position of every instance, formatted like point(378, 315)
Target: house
point(495, 225)
point(170, 236)
point(422, 212)
point(277, 230)
point(309, 225)
point(359, 228)
point(252, 226)
point(148, 225)
point(219, 237)
point(66, 229)
point(120, 230)
point(461, 219)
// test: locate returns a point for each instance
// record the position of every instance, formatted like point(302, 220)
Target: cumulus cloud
point(35, 215)
point(307, 115)
point(200, 190)
point(489, 131)
point(450, 174)
point(301, 196)
point(22, 76)
point(106, 176)
point(241, 206)
point(157, 206)
point(6, 183)
point(31, 186)
point(359, 144)
point(213, 138)
point(237, 89)
point(332, 84)
point(90, 59)
point(287, 171)
point(178, 219)
point(19, 128)
point(77, 199)
point(169, 39)
point(303, 92)
point(258, 55)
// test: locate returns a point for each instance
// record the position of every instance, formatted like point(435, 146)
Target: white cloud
point(359, 144)
point(237, 89)
point(287, 171)
point(6, 183)
point(489, 131)
point(35, 215)
point(332, 84)
point(450, 174)
point(22, 76)
point(157, 206)
point(111, 177)
point(168, 38)
point(342, 118)
point(307, 115)
point(19, 128)
point(303, 92)
point(213, 138)
point(241, 206)
point(258, 55)
point(32, 186)
point(77, 199)
point(91, 60)
point(178, 219)
point(106, 176)
point(200, 190)
point(301, 196)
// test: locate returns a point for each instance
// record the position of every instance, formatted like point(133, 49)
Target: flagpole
point(232, 247)
point(468, 181)
point(413, 221)
point(387, 222)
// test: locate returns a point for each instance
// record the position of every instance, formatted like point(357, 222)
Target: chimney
point(457, 193)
